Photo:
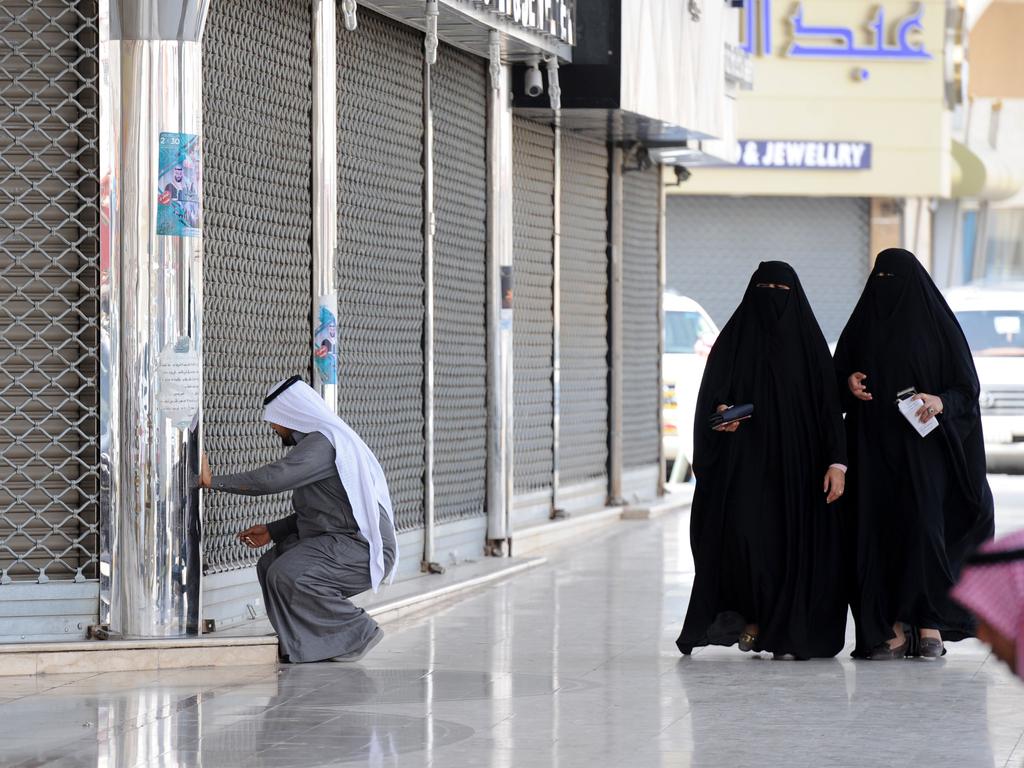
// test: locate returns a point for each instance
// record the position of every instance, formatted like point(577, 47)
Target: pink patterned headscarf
point(992, 588)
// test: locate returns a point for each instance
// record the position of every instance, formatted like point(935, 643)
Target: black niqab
point(915, 506)
point(766, 546)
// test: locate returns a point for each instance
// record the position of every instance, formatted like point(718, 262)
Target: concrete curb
point(233, 650)
point(673, 502)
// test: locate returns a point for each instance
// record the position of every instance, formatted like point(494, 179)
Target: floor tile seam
point(686, 714)
point(1014, 750)
point(981, 666)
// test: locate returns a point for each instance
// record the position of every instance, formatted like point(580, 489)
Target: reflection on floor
point(569, 665)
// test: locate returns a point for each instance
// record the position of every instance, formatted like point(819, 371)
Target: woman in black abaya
point(916, 505)
point(766, 545)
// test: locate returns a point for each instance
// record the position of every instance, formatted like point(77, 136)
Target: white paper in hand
point(909, 409)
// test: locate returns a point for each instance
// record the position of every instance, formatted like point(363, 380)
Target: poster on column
point(179, 186)
point(325, 341)
point(179, 382)
point(506, 298)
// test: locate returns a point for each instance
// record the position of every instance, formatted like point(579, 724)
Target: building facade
point(843, 142)
point(497, 344)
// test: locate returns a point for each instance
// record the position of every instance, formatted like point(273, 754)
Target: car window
point(687, 333)
point(994, 332)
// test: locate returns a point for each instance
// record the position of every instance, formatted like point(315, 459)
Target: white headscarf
point(301, 409)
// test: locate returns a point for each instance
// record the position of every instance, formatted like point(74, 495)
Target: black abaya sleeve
point(830, 409)
point(842, 369)
point(715, 390)
point(961, 387)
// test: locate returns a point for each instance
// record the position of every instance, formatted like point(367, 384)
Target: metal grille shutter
point(715, 243)
point(640, 428)
point(257, 96)
point(533, 158)
point(584, 435)
point(49, 240)
point(459, 82)
point(380, 250)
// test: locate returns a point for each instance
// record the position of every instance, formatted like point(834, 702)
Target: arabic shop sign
point(879, 40)
point(805, 155)
point(550, 17)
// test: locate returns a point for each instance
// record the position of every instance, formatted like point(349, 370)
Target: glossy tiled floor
point(568, 665)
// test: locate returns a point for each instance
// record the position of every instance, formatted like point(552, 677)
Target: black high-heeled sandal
point(747, 642)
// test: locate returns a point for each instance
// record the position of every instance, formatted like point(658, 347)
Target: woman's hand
point(255, 537)
point(726, 427)
point(932, 407)
point(835, 483)
point(205, 475)
point(857, 388)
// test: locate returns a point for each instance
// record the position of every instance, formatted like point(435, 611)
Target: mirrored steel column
point(430, 45)
point(151, 315)
point(499, 299)
point(325, 201)
point(662, 261)
point(615, 384)
point(555, 99)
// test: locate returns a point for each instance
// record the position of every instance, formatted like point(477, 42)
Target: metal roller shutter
point(533, 157)
point(584, 436)
point(257, 96)
point(49, 232)
point(459, 91)
point(380, 250)
point(715, 243)
point(640, 428)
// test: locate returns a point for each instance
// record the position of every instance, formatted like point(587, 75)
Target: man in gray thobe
point(322, 555)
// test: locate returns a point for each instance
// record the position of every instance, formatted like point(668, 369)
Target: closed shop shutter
point(583, 453)
point(380, 250)
point(533, 159)
point(257, 243)
point(640, 429)
point(715, 243)
point(49, 222)
point(459, 91)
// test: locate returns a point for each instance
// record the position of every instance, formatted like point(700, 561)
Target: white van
point(689, 334)
point(992, 318)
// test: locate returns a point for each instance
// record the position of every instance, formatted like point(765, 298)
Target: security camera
point(682, 174)
point(533, 83)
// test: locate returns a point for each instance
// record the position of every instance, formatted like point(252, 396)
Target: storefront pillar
point(151, 315)
point(499, 300)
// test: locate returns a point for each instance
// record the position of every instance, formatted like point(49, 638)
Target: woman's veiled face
point(889, 278)
point(887, 288)
point(772, 297)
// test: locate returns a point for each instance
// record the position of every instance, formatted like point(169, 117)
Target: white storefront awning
point(984, 174)
point(467, 24)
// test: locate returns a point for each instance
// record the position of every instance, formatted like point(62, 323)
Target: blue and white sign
point(827, 42)
point(805, 155)
point(885, 41)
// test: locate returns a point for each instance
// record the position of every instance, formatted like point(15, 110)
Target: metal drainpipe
point(325, 201)
point(555, 96)
point(499, 307)
point(429, 58)
point(662, 254)
point(151, 316)
point(615, 329)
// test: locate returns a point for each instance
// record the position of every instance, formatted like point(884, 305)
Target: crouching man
point(339, 542)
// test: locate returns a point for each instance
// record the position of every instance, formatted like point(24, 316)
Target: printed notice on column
point(179, 186)
point(180, 383)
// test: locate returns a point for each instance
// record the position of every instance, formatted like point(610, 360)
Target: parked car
point(992, 318)
point(689, 334)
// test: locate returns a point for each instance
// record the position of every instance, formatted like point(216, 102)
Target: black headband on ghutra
point(997, 557)
point(277, 392)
